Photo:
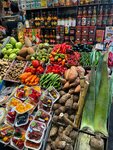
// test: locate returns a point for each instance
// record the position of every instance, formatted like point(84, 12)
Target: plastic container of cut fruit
point(16, 102)
point(38, 118)
point(9, 116)
point(53, 93)
point(12, 144)
point(44, 107)
point(31, 107)
point(6, 130)
point(46, 100)
point(25, 122)
point(34, 129)
point(36, 147)
point(16, 92)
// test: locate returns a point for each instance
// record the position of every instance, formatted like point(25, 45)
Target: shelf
point(45, 8)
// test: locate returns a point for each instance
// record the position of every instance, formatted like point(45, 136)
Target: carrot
point(25, 75)
point(77, 89)
point(29, 78)
point(33, 79)
point(37, 79)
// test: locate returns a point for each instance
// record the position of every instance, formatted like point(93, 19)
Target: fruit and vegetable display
point(57, 103)
point(11, 49)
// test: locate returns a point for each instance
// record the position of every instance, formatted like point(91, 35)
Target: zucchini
point(102, 101)
point(89, 108)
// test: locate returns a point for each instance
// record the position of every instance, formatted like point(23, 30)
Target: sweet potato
point(75, 83)
point(69, 103)
point(66, 85)
point(64, 98)
point(66, 74)
point(53, 131)
point(77, 89)
point(72, 74)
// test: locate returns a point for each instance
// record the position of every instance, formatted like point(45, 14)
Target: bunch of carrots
point(29, 79)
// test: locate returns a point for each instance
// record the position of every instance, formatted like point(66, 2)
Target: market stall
point(56, 77)
point(54, 97)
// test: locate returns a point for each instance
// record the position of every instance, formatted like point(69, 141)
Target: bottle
point(94, 17)
point(49, 19)
point(55, 18)
point(79, 17)
point(32, 20)
point(42, 23)
point(99, 20)
point(89, 16)
point(84, 19)
point(82, 2)
point(110, 16)
point(105, 16)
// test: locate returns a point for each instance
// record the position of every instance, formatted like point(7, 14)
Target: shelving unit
point(69, 11)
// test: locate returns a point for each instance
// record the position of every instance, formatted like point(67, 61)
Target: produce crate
point(11, 66)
